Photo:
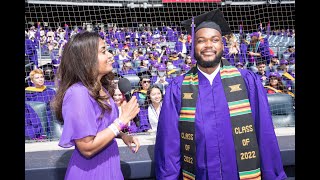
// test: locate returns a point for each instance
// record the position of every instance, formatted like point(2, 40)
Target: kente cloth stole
point(243, 131)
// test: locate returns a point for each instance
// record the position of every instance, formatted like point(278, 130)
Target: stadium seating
point(282, 109)
point(134, 79)
point(40, 109)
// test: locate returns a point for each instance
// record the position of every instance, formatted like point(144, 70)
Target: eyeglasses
point(146, 81)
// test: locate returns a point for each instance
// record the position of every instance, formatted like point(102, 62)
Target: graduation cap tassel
point(192, 36)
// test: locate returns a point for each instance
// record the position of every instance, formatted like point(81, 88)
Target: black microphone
point(125, 88)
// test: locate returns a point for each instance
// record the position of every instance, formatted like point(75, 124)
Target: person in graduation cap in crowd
point(124, 54)
point(172, 70)
point(187, 60)
point(181, 45)
point(162, 76)
point(215, 121)
point(175, 58)
point(40, 92)
point(283, 70)
point(255, 50)
point(127, 68)
point(274, 63)
point(185, 68)
point(141, 94)
point(291, 51)
point(135, 55)
point(153, 71)
point(31, 46)
point(275, 85)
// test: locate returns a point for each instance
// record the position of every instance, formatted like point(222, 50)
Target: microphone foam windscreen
point(124, 85)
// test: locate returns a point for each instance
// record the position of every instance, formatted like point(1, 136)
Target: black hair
point(148, 100)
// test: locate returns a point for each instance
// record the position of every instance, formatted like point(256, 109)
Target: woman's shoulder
point(77, 89)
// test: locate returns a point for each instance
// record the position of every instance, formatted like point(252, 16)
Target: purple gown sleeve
point(79, 116)
point(270, 157)
point(167, 146)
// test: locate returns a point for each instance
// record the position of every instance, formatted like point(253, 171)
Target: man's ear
point(32, 81)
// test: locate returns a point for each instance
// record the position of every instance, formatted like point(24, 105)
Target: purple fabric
point(31, 50)
point(32, 126)
point(46, 96)
point(81, 112)
point(254, 34)
point(185, 67)
point(162, 67)
point(214, 141)
point(170, 35)
point(131, 71)
point(132, 128)
point(144, 120)
point(178, 62)
point(49, 83)
point(178, 46)
point(232, 57)
point(153, 79)
point(265, 53)
point(261, 49)
point(143, 114)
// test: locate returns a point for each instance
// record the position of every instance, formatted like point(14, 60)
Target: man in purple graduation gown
point(31, 45)
point(215, 148)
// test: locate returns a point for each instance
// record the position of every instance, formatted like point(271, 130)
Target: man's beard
point(208, 64)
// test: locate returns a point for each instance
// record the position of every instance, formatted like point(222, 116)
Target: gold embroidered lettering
point(248, 155)
point(187, 147)
point(243, 129)
point(245, 142)
point(187, 159)
point(187, 136)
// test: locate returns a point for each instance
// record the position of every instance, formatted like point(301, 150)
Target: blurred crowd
point(154, 56)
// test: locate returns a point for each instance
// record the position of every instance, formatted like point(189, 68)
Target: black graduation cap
point(213, 19)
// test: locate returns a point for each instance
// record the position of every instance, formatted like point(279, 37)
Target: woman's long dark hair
point(280, 85)
point(79, 63)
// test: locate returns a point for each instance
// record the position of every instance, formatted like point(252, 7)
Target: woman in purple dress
point(90, 116)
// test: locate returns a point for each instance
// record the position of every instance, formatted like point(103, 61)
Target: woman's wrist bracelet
point(120, 124)
point(114, 129)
